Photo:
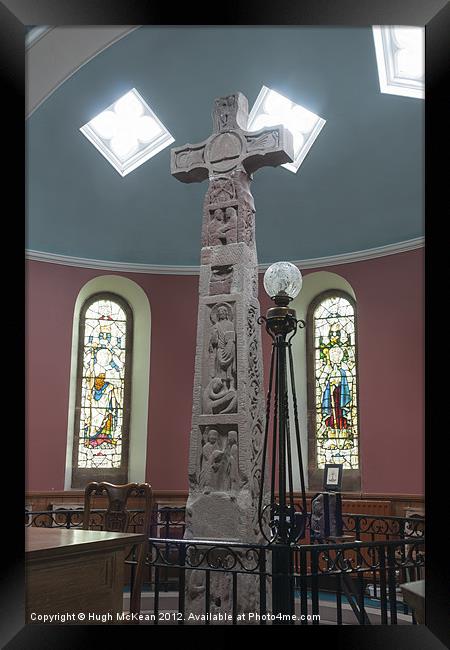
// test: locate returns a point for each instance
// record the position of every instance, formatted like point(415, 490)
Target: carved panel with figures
point(219, 459)
point(220, 378)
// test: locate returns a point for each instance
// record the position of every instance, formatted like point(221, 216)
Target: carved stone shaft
point(228, 413)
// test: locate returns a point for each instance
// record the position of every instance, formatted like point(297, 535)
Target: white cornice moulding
point(32, 37)
point(58, 52)
point(158, 269)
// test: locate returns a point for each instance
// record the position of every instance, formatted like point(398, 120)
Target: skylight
point(127, 133)
point(271, 108)
point(400, 59)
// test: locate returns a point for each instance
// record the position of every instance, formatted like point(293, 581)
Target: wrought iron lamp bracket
point(282, 521)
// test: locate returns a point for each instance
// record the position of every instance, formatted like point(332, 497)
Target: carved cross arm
point(268, 147)
point(187, 163)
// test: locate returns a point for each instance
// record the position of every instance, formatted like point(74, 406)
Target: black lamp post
point(282, 522)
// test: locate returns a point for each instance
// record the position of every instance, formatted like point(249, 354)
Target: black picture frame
point(332, 477)
point(434, 14)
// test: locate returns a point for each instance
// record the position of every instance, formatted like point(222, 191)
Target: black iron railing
point(372, 528)
point(169, 522)
point(329, 581)
point(357, 581)
point(165, 521)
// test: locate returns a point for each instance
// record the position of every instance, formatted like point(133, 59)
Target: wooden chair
point(116, 519)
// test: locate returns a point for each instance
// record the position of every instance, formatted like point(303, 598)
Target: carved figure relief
point(221, 279)
point(219, 461)
point(211, 462)
point(231, 221)
point(222, 227)
point(222, 346)
point(217, 398)
point(224, 109)
point(228, 212)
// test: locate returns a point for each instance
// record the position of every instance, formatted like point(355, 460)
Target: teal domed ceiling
point(360, 186)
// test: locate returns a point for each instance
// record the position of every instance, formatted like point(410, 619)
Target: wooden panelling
point(374, 508)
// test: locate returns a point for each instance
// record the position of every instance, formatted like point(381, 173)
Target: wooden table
point(414, 597)
point(74, 573)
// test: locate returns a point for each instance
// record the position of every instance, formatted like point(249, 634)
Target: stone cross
point(228, 413)
point(231, 147)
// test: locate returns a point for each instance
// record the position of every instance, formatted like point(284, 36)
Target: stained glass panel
point(335, 385)
point(101, 424)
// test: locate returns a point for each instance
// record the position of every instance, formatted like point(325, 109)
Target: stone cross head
point(231, 148)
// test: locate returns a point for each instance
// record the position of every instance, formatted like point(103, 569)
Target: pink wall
point(389, 293)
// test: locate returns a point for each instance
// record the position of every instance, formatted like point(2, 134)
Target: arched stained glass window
point(102, 411)
point(333, 424)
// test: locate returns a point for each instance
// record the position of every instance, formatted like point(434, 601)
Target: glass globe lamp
point(281, 521)
point(282, 282)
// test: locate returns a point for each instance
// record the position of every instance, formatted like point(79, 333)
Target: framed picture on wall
point(332, 477)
